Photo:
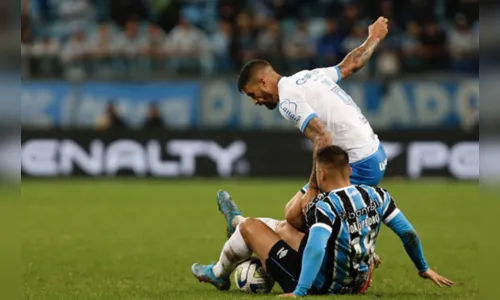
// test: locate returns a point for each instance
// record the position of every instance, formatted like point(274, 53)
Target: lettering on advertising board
point(52, 157)
point(232, 153)
point(461, 159)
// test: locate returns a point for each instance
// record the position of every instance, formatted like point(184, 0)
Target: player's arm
point(320, 137)
point(296, 110)
point(400, 225)
point(315, 249)
point(410, 239)
point(358, 57)
point(397, 222)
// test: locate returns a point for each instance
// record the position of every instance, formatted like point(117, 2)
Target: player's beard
point(270, 104)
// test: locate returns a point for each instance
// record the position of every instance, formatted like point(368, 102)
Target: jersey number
point(369, 245)
point(345, 97)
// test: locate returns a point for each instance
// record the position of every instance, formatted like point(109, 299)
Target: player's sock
point(237, 220)
point(235, 250)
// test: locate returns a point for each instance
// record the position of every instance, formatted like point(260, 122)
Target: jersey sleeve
point(294, 108)
point(387, 209)
point(410, 239)
point(313, 256)
point(320, 214)
point(333, 73)
point(397, 222)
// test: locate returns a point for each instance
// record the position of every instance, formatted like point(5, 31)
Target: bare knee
point(248, 226)
point(281, 226)
point(290, 235)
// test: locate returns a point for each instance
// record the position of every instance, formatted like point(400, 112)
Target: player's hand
point(378, 29)
point(438, 279)
point(289, 295)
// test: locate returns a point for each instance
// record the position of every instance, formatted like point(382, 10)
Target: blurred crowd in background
point(113, 39)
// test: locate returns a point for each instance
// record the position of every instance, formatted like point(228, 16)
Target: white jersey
point(315, 93)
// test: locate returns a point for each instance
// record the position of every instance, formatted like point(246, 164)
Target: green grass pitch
point(135, 239)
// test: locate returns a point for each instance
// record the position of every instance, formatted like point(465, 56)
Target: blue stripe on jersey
point(306, 121)
point(326, 210)
point(341, 259)
point(361, 227)
point(358, 203)
point(339, 75)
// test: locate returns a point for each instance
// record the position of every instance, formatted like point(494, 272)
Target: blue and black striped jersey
point(353, 215)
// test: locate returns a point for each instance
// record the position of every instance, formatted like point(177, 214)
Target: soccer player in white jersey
point(315, 104)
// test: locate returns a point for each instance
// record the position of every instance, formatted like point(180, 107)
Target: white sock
point(237, 220)
point(235, 250)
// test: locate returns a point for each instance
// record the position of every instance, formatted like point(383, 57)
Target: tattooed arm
point(320, 137)
point(295, 108)
point(358, 57)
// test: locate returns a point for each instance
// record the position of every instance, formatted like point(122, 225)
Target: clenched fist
point(378, 30)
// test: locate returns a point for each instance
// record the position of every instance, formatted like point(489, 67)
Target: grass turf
point(137, 239)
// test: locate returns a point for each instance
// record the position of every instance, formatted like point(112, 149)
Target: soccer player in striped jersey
point(336, 256)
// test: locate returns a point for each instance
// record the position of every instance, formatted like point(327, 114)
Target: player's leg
point(258, 237)
point(281, 260)
point(233, 215)
point(230, 211)
point(290, 235)
point(235, 251)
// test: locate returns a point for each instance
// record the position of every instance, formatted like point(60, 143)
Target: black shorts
point(284, 264)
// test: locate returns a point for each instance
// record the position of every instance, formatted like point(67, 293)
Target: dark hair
point(334, 156)
point(248, 70)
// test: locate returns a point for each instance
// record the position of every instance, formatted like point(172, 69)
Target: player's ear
point(262, 81)
point(322, 174)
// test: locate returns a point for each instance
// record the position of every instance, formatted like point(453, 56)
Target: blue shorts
point(368, 171)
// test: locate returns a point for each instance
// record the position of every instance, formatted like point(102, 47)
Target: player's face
point(261, 94)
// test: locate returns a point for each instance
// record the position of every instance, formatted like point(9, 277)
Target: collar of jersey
point(340, 189)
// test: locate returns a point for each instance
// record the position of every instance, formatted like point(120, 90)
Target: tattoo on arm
point(358, 57)
point(321, 138)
